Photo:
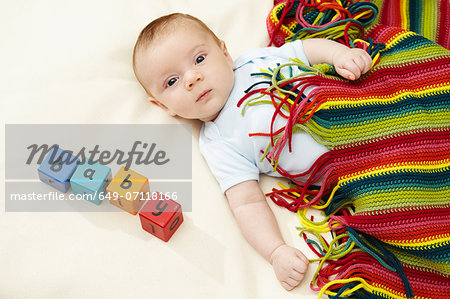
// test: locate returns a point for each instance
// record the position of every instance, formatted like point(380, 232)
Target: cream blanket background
point(69, 62)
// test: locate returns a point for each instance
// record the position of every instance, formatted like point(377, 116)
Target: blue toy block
point(90, 179)
point(57, 168)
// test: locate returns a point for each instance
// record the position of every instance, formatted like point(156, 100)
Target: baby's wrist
point(338, 53)
point(275, 250)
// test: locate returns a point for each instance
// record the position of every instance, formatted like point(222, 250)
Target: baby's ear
point(223, 46)
point(161, 105)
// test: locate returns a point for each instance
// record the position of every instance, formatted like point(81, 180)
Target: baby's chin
point(209, 118)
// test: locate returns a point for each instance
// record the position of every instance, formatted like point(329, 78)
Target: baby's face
point(188, 73)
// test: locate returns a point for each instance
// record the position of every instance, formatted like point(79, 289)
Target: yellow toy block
point(128, 190)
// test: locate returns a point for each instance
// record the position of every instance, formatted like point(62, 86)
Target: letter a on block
point(90, 179)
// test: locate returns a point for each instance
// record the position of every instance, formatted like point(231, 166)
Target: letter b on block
point(128, 190)
point(161, 217)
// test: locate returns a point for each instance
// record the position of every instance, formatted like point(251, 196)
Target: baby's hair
point(159, 27)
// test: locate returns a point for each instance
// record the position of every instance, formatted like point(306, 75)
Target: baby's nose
point(192, 78)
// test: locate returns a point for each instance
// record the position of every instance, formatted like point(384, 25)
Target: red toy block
point(161, 217)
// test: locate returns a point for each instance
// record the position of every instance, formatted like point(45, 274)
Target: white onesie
point(231, 154)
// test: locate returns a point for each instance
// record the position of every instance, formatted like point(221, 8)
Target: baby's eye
point(172, 81)
point(199, 59)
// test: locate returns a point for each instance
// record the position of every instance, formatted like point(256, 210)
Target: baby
point(187, 71)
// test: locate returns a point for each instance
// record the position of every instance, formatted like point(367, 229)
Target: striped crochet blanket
point(385, 187)
point(429, 18)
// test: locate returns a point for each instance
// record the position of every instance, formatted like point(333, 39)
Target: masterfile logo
point(147, 155)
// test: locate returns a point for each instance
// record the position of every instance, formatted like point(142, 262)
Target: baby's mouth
point(204, 95)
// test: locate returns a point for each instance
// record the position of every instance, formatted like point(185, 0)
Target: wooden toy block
point(161, 217)
point(128, 190)
point(57, 168)
point(90, 180)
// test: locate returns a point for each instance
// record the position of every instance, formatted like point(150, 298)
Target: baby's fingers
point(300, 266)
point(303, 257)
point(348, 74)
point(353, 64)
point(364, 61)
point(288, 286)
point(297, 275)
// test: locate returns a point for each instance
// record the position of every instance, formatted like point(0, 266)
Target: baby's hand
point(351, 63)
point(290, 266)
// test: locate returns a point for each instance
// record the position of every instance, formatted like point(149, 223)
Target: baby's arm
point(259, 227)
point(350, 63)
